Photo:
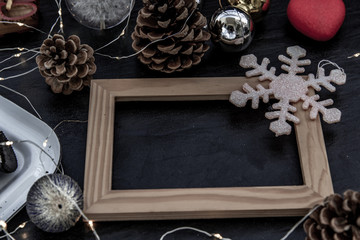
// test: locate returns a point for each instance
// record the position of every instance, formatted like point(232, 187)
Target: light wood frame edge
point(101, 203)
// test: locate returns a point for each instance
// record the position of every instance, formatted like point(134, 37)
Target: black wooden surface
point(273, 35)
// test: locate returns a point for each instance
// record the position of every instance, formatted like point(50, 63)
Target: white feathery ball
point(101, 14)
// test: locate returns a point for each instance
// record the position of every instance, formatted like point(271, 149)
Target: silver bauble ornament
point(232, 29)
point(51, 210)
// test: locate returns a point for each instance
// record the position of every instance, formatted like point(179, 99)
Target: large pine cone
point(338, 219)
point(159, 19)
point(66, 65)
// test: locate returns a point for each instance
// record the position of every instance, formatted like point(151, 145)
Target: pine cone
point(338, 219)
point(159, 19)
point(66, 65)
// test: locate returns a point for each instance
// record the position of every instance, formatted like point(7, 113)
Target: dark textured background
point(270, 160)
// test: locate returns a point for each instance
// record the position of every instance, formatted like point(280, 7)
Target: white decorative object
point(18, 125)
point(289, 88)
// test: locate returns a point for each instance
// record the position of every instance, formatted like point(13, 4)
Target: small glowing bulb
point(17, 55)
point(9, 143)
point(3, 224)
point(22, 225)
point(20, 24)
point(91, 224)
point(61, 25)
point(20, 49)
point(2, 79)
point(218, 236)
point(122, 32)
point(355, 55)
point(60, 12)
point(45, 143)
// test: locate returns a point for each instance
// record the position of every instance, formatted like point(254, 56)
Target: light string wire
point(19, 48)
point(24, 25)
point(3, 227)
point(214, 235)
point(22, 52)
point(18, 75)
point(52, 27)
point(15, 230)
point(25, 97)
point(155, 41)
point(132, 3)
point(355, 55)
point(17, 64)
point(300, 222)
point(61, 25)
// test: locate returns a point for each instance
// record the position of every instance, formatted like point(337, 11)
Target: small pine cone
point(159, 19)
point(66, 65)
point(337, 219)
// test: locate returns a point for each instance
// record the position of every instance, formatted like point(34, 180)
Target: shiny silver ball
point(232, 29)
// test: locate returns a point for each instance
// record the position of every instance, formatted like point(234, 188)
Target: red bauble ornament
point(317, 19)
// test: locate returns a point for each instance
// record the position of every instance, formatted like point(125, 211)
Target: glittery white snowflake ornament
point(289, 88)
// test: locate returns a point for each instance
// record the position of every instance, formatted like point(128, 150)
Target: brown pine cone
point(66, 65)
point(161, 18)
point(338, 219)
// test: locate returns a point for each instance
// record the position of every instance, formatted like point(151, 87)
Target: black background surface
point(264, 157)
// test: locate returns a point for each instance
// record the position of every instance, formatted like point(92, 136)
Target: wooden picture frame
point(101, 203)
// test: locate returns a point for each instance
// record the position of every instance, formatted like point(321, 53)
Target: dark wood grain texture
point(272, 37)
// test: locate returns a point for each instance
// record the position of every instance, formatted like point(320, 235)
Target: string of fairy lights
point(21, 51)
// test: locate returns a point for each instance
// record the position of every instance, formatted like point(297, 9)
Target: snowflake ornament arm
point(331, 115)
point(336, 76)
point(280, 126)
point(250, 61)
point(240, 99)
point(293, 64)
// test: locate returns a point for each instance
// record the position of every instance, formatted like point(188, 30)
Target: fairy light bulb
point(45, 142)
point(7, 143)
point(17, 55)
point(91, 224)
point(20, 24)
point(3, 224)
point(22, 225)
point(2, 79)
point(217, 235)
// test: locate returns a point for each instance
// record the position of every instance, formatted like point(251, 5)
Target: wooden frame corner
point(101, 203)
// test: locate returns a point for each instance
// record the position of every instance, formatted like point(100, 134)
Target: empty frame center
point(199, 144)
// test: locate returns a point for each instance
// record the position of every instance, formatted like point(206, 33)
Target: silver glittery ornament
point(232, 29)
point(52, 208)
